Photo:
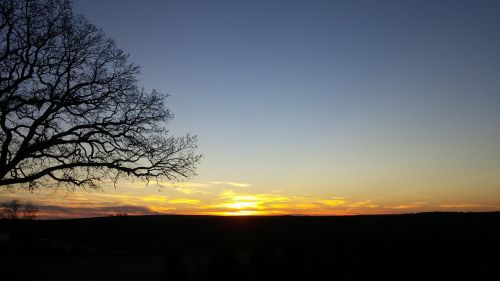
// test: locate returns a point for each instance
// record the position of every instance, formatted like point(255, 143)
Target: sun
point(242, 205)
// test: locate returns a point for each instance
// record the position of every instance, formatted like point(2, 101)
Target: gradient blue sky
point(394, 102)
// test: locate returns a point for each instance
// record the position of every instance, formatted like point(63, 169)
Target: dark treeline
point(447, 246)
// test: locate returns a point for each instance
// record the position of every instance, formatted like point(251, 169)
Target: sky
point(312, 107)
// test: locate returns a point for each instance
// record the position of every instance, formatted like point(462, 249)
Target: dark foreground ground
point(429, 246)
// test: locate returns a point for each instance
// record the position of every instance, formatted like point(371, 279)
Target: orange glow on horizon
point(218, 200)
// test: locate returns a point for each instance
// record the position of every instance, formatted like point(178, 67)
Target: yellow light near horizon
point(242, 213)
point(239, 202)
point(242, 205)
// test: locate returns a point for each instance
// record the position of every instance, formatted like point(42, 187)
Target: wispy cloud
point(184, 201)
point(333, 202)
point(414, 205)
point(184, 187)
point(230, 183)
point(364, 203)
point(459, 206)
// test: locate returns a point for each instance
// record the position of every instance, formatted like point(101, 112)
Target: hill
point(388, 247)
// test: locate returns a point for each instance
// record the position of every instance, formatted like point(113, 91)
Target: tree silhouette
point(11, 209)
point(30, 211)
point(71, 111)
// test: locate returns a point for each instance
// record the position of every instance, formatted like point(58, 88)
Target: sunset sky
point(312, 107)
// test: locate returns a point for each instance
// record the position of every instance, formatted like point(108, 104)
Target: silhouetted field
point(427, 246)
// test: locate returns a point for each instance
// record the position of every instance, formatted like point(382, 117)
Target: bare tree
point(30, 211)
point(71, 111)
point(11, 209)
